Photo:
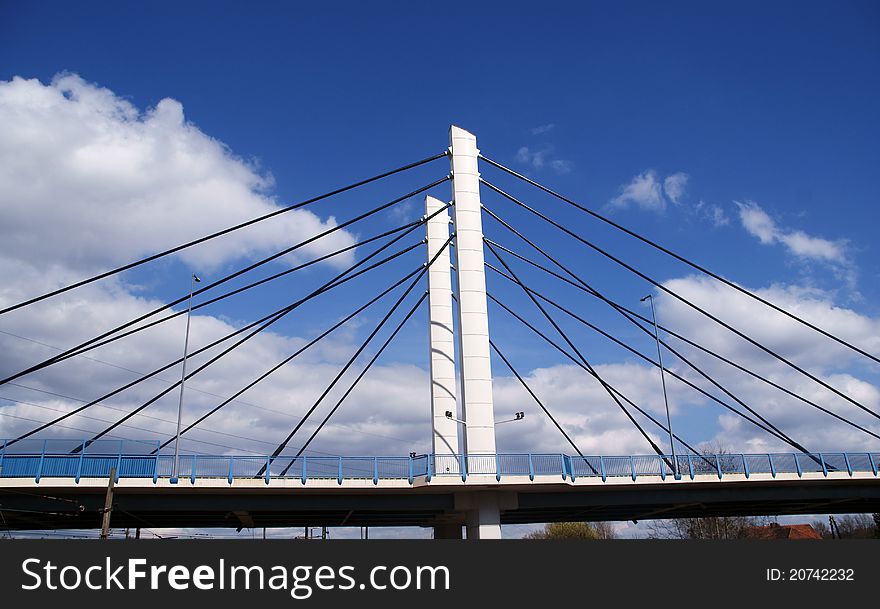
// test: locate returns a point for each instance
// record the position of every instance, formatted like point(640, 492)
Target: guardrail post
point(531, 468)
point(632, 466)
point(570, 467)
point(410, 469)
point(602, 467)
point(304, 475)
point(873, 463)
point(797, 465)
point(192, 477)
point(497, 468)
point(42, 459)
point(375, 470)
point(2, 454)
point(772, 467)
point(339, 476)
point(79, 465)
point(824, 467)
point(231, 464)
point(745, 466)
point(848, 466)
point(463, 466)
point(119, 462)
point(718, 466)
point(564, 466)
point(662, 461)
point(430, 461)
point(690, 466)
point(268, 466)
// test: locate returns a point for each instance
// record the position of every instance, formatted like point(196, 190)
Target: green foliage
point(574, 530)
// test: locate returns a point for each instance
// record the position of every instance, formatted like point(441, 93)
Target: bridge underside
point(76, 507)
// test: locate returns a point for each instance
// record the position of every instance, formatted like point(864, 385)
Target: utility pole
point(174, 471)
point(108, 505)
point(650, 298)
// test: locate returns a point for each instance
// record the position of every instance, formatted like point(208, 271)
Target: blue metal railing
point(72, 459)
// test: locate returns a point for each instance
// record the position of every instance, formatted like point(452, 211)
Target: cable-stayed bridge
point(50, 482)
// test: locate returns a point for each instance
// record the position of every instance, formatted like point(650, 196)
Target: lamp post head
point(649, 296)
point(196, 278)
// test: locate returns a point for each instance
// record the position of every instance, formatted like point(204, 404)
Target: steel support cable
point(221, 354)
point(134, 427)
point(357, 353)
point(286, 360)
point(681, 258)
point(534, 397)
point(408, 228)
point(770, 428)
point(575, 361)
point(532, 393)
point(78, 348)
point(682, 299)
point(780, 433)
point(357, 380)
point(577, 351)
point(152, 431)
point(341, 278)
point(630, 315)
point(223, 232)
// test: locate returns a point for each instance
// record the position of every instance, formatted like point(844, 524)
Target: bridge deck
point(50, 490)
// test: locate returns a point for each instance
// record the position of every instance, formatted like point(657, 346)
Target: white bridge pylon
point(441, 338)
point(472, 327)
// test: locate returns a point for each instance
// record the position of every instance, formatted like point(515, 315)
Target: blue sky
point(763, 114)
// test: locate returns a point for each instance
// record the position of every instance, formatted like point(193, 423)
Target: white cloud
point(834, 363)
point(597, 425)
point(561, 166)
point(386, 414)
point(119, 183)
point(87, 180)
point(712, 213)
point(538, 159)
point(644, 190)
point(542, 129)
point(804, 247)
point(756, 221)
point(674, 186)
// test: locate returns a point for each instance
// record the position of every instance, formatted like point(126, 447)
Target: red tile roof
point(783, 531)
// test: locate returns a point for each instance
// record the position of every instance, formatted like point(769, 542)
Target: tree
point(854, 526)
point(716, 527)
point(574, 530)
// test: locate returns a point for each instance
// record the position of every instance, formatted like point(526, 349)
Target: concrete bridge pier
point(484, 520)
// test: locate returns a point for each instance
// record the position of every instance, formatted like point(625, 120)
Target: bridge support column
point(444, 437)
point(473, 320)
point(482, 511)
point(484, 521)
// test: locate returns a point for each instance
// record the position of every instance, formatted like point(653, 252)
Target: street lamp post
point(174, 471)
point(650, 298)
